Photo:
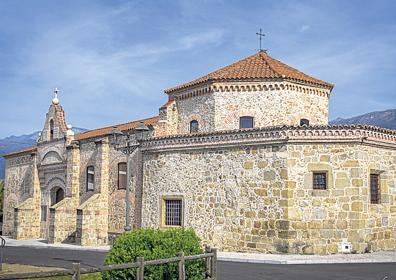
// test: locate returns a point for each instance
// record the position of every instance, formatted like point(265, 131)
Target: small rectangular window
point(246, 122)
point(374, 188)
point(43, 213)
point(173, 212)
point(90, 178)
point(122, 176)
point(319, 180)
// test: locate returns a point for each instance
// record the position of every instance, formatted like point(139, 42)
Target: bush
point(153, 244)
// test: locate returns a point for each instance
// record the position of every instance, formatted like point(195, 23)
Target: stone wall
point(93, 213)
point(27, 213)
point(232, 197)
point(320, 219)
point(117, 196)
point(200, 108)
point(269, 108)
point(168, 122)
point(18, 187)
point(253, 190)
point(271, 104)
point(63, 215)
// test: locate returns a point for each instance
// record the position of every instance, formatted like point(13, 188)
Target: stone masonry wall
point(63, 215)
point(233, 197)
point(269, 108)
point(18, 187)
point(320, 219)
point(92, 215)
point(117, 196)
point(200, 108)
point(27, 213)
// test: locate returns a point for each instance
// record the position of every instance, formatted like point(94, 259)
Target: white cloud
point(304, 28)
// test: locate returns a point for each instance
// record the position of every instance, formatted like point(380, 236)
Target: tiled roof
point(257, 66)
point(106, 130)
point(21, 151)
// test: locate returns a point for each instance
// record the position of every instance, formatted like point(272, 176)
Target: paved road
point(227, 270)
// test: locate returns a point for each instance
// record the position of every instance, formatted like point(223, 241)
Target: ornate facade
point(244, 155)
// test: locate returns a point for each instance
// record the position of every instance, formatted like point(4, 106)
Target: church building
point(243, 155)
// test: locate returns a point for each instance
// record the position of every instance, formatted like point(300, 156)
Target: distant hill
point(14, 143)
point(385, 119)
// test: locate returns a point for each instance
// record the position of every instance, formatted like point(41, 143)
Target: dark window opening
point(246, 122)
point(90, 178)
point(122, 176)
point(51, 129)
point(173, 212)
point(374, 188)
point(304, 122)
point(57, 194)
point(319, 180)
point(194, 126)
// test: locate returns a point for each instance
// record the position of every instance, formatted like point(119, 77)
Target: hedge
point(153, 244)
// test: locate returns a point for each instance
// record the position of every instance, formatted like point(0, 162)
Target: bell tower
point(55, 126)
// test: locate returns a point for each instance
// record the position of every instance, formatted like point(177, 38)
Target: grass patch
point(20, 268)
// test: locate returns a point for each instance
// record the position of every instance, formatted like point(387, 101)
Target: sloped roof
point(26, 150)
point(257, 66)
point(106, 130)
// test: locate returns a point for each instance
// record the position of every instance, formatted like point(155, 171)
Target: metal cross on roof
point(260, 36)
point(56, 91)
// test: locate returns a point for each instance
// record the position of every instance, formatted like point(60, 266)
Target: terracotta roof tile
point(257, 66)
point(106, 130)
point(21, 151)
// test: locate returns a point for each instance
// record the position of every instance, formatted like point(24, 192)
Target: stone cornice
point(238, 86)
point(280, 134)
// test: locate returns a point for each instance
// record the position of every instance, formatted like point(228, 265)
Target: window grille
point(122, 176)
point(320, 180)
point(194, 126)
point(90, 178)
point(173, 212)
point(246, 122)
point(374, 188)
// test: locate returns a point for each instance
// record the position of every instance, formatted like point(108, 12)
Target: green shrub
point(153, 244)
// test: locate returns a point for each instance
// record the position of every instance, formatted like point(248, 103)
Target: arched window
point(246, 122)
point(122, 176)
point(51, 130)
point(90, 178)
point(304, 122)
point(194, 126)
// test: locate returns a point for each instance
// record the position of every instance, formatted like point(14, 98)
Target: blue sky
point(112, 60)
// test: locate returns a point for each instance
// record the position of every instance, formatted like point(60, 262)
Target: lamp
point(116, 133)
point(141, 131)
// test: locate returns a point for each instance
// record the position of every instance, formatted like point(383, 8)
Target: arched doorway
point(57, 194)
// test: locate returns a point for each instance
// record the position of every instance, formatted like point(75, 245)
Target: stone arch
point(51, 188)
point(51, 157)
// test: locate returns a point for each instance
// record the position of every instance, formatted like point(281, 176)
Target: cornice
point(276, 135)
point(250, 86)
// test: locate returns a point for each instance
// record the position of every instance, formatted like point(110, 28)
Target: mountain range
point(386, 119)
point(14, 143)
